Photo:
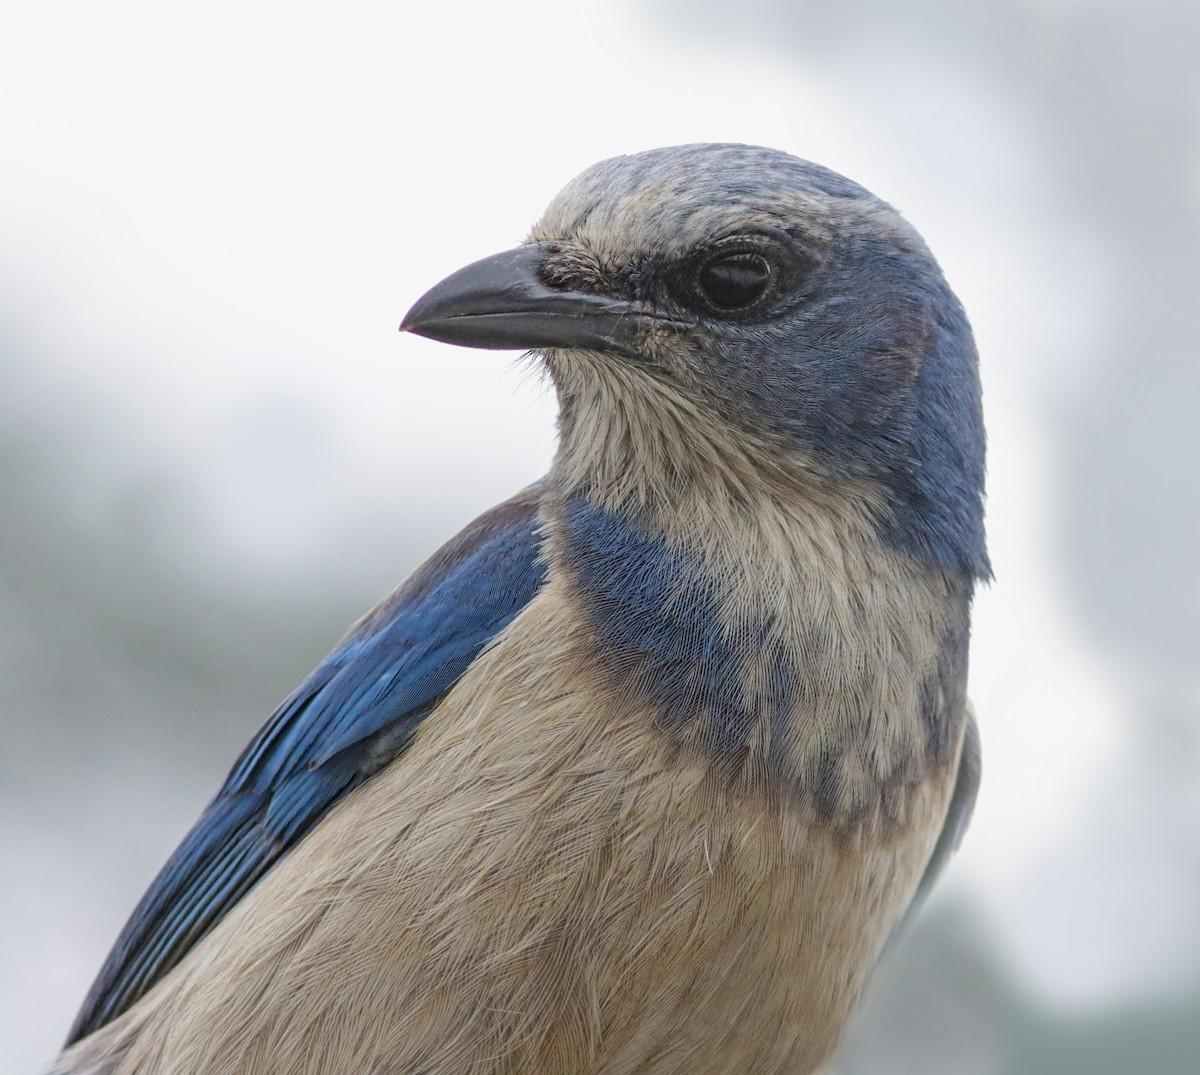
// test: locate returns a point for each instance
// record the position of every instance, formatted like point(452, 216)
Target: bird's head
point(732, 310)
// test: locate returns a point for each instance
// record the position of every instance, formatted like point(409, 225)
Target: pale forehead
point(668, 201)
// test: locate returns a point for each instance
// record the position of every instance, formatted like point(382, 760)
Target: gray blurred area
point(137, 656)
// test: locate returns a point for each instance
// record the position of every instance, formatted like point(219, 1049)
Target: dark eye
point(734, 281)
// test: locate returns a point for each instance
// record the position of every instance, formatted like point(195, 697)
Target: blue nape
point(355, 713)
point(938, 499)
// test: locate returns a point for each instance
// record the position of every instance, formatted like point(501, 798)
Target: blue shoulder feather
point(352, 716)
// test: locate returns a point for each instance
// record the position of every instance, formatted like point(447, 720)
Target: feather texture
point(640, 773)
point(353, 715)
point(544, 881)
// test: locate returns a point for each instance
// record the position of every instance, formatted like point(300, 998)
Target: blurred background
point(216, 452)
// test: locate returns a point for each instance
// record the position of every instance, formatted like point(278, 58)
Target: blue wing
point(353, 715)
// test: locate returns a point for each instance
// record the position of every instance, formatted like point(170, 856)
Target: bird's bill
point(501, 303)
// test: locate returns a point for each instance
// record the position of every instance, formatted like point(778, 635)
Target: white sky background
point(204, 209)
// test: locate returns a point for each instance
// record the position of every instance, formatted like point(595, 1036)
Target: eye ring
point(733, 281)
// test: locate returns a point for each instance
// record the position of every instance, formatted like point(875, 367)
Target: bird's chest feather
point(795, 653)
point(599, 855)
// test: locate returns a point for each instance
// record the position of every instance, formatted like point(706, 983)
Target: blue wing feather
point(348, 719)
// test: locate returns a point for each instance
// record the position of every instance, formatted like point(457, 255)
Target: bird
point(642, 770)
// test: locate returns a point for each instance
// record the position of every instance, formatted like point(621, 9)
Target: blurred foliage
point(946, 1003)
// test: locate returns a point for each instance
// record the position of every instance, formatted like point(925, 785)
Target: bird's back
point(551, 879)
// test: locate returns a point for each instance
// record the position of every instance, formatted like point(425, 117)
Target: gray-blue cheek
point(840, 387)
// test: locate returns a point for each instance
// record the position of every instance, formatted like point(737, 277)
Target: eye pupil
point(734, 281)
